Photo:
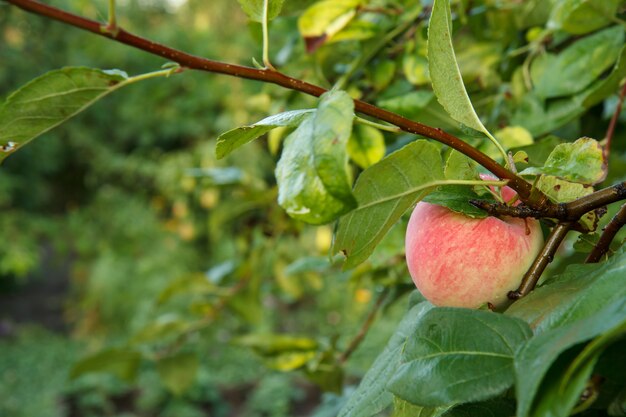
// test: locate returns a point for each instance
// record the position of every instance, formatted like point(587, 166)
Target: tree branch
point(611, 229)
point(544, 258)
point(570, 212)
point(517, 183)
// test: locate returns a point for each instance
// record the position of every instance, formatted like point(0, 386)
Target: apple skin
point(457, 261)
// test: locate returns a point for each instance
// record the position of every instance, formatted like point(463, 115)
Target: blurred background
point(141, 277)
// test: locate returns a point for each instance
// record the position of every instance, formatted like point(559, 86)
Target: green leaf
point(456, 198)
point(539, 151)
point(384, 192)
point(604, 88)
point(122, 363)
point(458, 355)
point(576, 67)
point(582, 16)
point(561, 191)
point(51, 99)
point(498, 407)
point(372, 397)
point(178, 372)
point(312, 173)
point(254, 8)
point(231, 140)
point(444, 70)
point(403, 408)
point(534, 359)
point(324, 19)
point(366, 146)
point(460, 167)
point(581, 291)
point(581, 162)
point(272, 344)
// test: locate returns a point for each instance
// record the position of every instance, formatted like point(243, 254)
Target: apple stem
point(611, 229)
point(542, 260)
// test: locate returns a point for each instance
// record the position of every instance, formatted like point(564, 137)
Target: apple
point(458, 261)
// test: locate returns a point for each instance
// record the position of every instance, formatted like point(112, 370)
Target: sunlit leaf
point(231, 140)
point(51, 99)
point(582, 16)
point(403, 408)
point(444, 70)
point(312, 173)
point(581, 161)
point(458, 355)
point(254, 8)
point(324, 19)
point(384, 192)
point(366, 145)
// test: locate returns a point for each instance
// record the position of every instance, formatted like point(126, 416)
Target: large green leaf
point(580, 292)
point(231, 140)
point(254, 8)
point(444, 70)
point(384, 192)
point(535, 358)
point(458, 355)
point(51, 99)
point(312, 174)
point(582, 16)
point(372, 397)
point(122, 363)
point(178, 372)
point(576, 67)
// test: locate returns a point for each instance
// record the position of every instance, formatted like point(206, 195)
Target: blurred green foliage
point(189, 287)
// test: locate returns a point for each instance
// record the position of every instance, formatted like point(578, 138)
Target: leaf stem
point(111, 26)
point(266, 41)
point(505, 156)
point(387, 128)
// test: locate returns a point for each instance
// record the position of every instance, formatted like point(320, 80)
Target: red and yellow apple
point(459, 261)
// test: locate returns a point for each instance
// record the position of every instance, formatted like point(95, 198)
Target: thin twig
point(611, 229)
point(611, 129)
point(542, 260)
point(517, 183)
point(354, 344)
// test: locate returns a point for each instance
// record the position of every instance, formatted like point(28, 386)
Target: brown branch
point(611, 129)
point(542, 260)
point(569, 212)
point(522, 187)
point(354, 344)
point(611, 229)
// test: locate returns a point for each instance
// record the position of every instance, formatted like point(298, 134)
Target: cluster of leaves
point(540, 74)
